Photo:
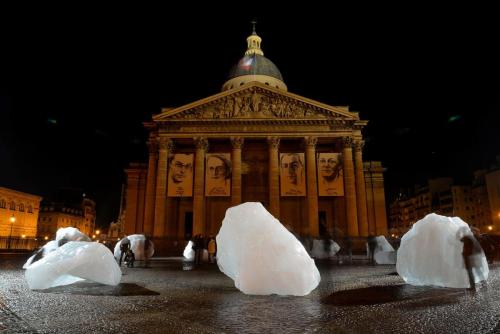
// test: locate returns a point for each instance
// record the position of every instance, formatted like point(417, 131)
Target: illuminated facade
point(255, 141)
point(18, 218)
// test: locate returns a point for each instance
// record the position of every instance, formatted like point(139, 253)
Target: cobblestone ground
point(168, 299)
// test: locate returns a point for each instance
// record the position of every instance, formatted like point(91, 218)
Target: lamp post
point(12, 221)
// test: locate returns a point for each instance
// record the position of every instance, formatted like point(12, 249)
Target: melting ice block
point(189, 252)
point(73, 262)
point(71, 234)
point(431, 253)
point(137, 246)
point(261, 255)
point(68, 233)
point(320, 250)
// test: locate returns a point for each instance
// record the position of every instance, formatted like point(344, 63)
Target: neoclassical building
point(255, 141)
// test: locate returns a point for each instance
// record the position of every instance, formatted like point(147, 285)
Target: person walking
point(372, 245)
point(124, 247)
point(212, 249)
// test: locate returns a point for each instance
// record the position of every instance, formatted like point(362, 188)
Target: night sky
point(76, 87)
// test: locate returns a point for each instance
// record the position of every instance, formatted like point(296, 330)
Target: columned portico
point(350, 189)
point(274, 187)
point(199, 182)
point(165, 146)
point(360, 189)
point(237, 145)
point(149, 210)
point(312, 188)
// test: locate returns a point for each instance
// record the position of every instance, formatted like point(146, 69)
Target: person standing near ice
point(124, 247)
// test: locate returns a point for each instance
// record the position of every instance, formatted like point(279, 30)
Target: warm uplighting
point(97, 232)
point(23, 236)
point(12, 219)
point(46, 238)
point(490, 228)
point(499, 214)
point(93, 236)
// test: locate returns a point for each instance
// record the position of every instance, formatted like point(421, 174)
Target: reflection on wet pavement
point(97, 289)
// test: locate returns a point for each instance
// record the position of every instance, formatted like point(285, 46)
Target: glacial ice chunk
point(71, 234)
point(68, 233)
point(137, 246)
point(431, 253)
point(72, 262)
point(189, 252)
point(322, 251)
point(261, 255)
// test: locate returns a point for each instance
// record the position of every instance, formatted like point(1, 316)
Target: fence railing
point(20, 243)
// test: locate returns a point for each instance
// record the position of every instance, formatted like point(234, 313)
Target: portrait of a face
point(292, 174)
point(180, 176)
point(330, 174)
point(218, 174)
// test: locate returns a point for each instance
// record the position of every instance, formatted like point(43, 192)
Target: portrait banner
point(180, 175)
point(218, 174)
point(330, 174)
point(292, 174)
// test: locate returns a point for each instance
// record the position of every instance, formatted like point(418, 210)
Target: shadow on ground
point(420, 296)
point(97, 289)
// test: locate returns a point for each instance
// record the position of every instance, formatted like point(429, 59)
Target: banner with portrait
point(180, 175)
point(292, 174)
point(218, 174)
point(330, 174)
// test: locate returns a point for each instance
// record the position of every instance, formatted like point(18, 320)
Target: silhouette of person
point(372, 245)
point(124, 247)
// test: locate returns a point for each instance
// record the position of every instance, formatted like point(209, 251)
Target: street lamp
point(12, 221)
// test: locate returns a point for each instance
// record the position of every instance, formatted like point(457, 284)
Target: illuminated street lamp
point(490, 228)
point(12, 221)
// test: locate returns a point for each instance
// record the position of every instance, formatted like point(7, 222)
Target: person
point(212, 249)
point(467, 253)
point(292, 173)
point(218, 175)
point(130, 258)
point(348, 247)
point(124, 247)
point(372, 245)
point(329, 171)
point(198, 249)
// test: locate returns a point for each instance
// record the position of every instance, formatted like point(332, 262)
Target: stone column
point(312, 187)
point(199, 184)
point(274, 172)
point(165, 145)
point(350, 189)
point(360, 189)
point(149, 211)
point(237, 143)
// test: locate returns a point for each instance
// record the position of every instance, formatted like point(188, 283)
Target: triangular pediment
point(255, 100)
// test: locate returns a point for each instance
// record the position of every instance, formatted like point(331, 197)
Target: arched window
point(3, 205)
point(21, 207)
point(12, 205)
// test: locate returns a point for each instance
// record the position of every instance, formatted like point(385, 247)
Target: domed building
point(255, 142)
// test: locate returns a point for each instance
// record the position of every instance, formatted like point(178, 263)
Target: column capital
point(165, 143)
point(201, 143)
point(273, 142)
point(358, 145)
point(152, 145)
point(311, 141)
point(347, 142)
point(237, 142)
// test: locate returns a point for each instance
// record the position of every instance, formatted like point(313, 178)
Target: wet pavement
point(167, 298)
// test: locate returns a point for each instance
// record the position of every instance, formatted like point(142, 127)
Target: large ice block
point(71, 234)
point(384, 252)
point(137, 246)
point(72, 262)
point(324, 249)
point(261, 255)
point(431, 253)
point(189, 252)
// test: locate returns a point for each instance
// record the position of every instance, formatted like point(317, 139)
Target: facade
point(18, 218)
point(255, 141)
point(79, 213)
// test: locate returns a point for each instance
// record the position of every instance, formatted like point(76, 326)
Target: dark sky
point(77, 83)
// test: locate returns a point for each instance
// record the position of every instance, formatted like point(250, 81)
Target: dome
point(254, 67)
point(255, 64)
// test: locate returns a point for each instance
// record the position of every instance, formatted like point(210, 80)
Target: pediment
point(256, 101)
